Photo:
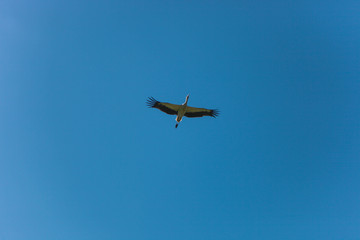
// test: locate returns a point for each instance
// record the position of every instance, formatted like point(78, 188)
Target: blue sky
point(83, 158)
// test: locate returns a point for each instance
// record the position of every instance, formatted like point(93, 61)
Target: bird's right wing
point(200, 112)
point(168, 108)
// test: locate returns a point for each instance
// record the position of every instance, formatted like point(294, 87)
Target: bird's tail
point(176, 125)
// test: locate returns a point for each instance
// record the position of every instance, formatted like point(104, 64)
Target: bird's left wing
point(168, 108)
point(200, 112)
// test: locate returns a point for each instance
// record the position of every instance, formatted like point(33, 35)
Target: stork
point(181, 110)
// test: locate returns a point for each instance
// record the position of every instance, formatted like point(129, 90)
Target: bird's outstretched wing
point(200, 112)
point(168, 108)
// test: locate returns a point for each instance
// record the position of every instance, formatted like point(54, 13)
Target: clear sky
point(82, 157)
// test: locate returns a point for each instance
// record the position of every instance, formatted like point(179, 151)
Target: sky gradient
point(82, 157)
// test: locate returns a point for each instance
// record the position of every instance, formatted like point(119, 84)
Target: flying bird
point(181, 110)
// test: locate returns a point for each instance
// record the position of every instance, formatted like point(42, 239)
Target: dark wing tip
point(151, 102)
point(215, 113)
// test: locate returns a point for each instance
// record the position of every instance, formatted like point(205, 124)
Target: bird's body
point(181, 110)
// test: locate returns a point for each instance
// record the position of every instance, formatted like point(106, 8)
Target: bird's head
point(187, 98)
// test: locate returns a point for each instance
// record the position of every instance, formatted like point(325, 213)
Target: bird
point(181, 110)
